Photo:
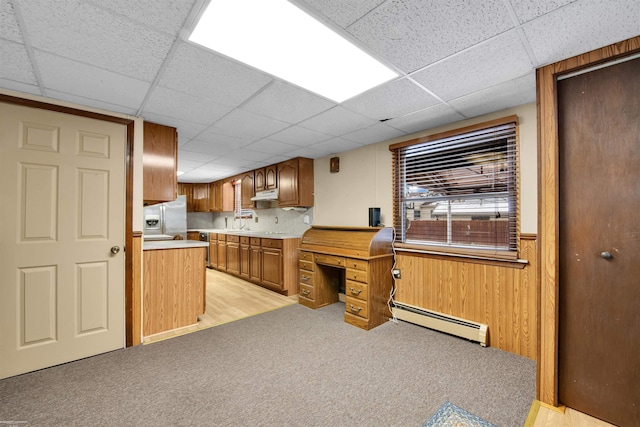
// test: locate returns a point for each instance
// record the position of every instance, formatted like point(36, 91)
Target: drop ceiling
point(456, 59)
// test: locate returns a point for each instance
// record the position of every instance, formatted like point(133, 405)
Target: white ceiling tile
point(63, 75)
point(20, 87)
point(15, 64)
point(164, 15)
point(9, 28)
point(414, 33)
point(277, 159)
point(372, 134)
point(426, 119)
point(91, 35)
point(187, 165)
point(515, 92)
point(271, 147)
point(297, 135)
point(287, 103)
point(249, 155)
point(337, 121)
point(186, 129)
point(89, 102)
point(335, 145)
point(391, 100)
point(201, 72)
point(497, 60)
point(193, 156)
point(342, 12)
point(183, 106)
point(582, 26)
point(213, 148)
point(527, 10)
point(310, 153)
point(247, 125)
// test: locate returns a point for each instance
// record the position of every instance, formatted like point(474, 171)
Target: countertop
point(173, 244)
point(249, 233)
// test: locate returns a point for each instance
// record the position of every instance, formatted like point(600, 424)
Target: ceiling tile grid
point(455, 59)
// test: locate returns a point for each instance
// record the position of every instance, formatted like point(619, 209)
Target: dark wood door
point(599, 259)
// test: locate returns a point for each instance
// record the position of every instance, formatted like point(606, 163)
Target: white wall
point(137, 146)
point(364, 180)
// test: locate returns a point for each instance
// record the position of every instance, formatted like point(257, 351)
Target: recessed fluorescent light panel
point(277, 37)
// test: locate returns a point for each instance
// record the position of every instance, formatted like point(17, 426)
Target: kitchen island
point(174, 284)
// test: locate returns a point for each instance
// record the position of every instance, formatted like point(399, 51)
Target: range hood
point(265, 195)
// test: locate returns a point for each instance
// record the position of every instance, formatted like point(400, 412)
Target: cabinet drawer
point(337, 261)
point(306, 277)
point(272, 243)
point(306, 265)
point(356, 307)
point(213, 237)
point(357, 264)
point(357, 290)
point(357, 275)
point(306, 256)
point(307, 292)
point(254, 241)
point(222, 237)
point(244, 240)
point(233, 238)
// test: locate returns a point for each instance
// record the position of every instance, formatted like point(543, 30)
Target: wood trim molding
point(128, 253)
point(548, 227)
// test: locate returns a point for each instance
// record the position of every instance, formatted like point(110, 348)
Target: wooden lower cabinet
point(222, 252)
point(270, 263)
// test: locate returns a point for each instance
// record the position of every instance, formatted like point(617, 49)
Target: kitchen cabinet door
point(245, 258)
point(272, 267)
point(201, 197)
point(271, 177)
point(185, 189)
point(260, 181)
point(295, 182)
point(255, 260)
point(233, 255)
point(247, 190)
point(159, 163)
point(222, 254)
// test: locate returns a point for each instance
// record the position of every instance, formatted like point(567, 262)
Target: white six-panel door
point(62, 199)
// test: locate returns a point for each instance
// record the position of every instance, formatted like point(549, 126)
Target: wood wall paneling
point(547, 378)
point(501, 296)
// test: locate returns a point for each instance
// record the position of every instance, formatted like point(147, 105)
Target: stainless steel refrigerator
point(165, 221)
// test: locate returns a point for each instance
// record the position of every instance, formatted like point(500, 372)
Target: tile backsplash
point(294, 221)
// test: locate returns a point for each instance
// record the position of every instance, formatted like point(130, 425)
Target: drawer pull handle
point(355, 309)
point(355, 291)
point(305, 278)
point(305, 292)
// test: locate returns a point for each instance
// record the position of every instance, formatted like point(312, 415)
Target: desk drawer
point(357, 264)
point(306, 265)
point(272, 243)
point(357, 275)
point(305, 256)
point(357, 290)
point(307, 292)
point(356, 307)
point(336, 261)
point(306, 277)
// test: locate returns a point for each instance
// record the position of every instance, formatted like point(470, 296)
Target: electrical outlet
point(396, 273)
point(256, 219)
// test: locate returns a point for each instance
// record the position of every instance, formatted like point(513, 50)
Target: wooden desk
point(356, 259)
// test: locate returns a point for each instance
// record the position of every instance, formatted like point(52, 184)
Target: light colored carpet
point(288, 367)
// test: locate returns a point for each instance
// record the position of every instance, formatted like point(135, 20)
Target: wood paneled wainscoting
point(500, 294)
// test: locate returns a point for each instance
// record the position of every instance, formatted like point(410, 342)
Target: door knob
point(115, 249)
point(606, 255)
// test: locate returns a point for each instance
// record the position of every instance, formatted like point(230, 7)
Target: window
point(457, 192)
point(237, 202)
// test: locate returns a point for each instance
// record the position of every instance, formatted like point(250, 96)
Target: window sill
point(459, 256)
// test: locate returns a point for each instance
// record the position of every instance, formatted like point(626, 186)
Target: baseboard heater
point(442, 322)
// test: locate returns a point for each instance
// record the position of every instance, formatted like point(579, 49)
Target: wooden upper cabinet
point(159, 163)
point(247, 190)
point(186, 190)
point(295, 182)
point(201, 197)
point(260, 181)
point(271, 177)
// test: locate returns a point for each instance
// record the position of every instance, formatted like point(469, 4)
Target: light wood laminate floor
point(230, 298)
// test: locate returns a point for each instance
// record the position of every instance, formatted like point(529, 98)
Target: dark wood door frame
point(132, 336)
point(548, 184)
